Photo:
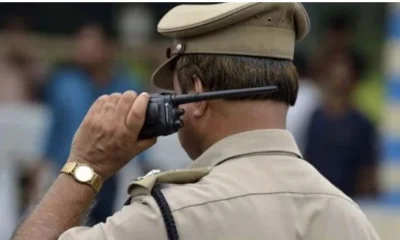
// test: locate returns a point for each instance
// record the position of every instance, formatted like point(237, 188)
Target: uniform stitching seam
point(274, 193)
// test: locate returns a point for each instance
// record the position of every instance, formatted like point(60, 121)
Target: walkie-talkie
point(163, 112)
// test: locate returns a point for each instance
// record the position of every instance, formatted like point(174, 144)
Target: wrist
point(71, 185)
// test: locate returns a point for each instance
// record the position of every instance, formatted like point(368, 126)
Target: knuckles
point(112, 128)
point(107, 128)
point(105, 136)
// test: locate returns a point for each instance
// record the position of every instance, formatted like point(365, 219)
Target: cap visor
point(163, 75)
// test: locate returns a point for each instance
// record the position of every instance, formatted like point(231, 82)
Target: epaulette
point(149, 185)
point(144, 185)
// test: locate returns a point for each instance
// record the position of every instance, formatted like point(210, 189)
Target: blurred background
point(57, 58)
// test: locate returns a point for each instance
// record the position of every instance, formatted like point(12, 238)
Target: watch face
point(83, 173)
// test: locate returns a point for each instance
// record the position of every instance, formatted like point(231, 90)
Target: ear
point(200, 106)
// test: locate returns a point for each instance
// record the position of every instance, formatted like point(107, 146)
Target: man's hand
point(106, 140)
point(107, 137)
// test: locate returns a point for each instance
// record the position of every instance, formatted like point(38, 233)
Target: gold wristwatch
point(83, 173)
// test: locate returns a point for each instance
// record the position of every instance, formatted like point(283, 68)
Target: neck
point(231, 118)
point(337, 105)
point(101, 73)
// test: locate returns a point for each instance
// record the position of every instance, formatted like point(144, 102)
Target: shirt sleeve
point(141, 220)
point(340, 219)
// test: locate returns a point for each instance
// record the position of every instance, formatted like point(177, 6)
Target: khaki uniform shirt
point(257, 186)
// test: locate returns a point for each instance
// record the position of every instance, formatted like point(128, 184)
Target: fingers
point(110, 104)
point(97, 106)
point(125, 104)
point(137, 113)
point(127, 107)
point(114, 98)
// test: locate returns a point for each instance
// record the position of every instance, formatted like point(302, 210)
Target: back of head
point(232, 46)
point(223, 72)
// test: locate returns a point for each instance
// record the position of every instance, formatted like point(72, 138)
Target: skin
point(94, 53)
point(203, 120)
point(107, 140)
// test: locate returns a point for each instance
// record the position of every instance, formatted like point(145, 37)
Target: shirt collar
point(258, 141)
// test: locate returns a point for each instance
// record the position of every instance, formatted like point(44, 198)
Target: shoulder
point(362, 121)
point(340, 219)
point(316, 117)
point(185, 189)
point(141, 219)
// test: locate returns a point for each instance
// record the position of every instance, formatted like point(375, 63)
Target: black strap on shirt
point(165, 212)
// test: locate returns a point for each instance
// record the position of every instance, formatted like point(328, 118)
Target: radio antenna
point(188, 98)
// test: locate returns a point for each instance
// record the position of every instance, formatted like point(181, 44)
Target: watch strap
point(96, 182)
point(69, 167)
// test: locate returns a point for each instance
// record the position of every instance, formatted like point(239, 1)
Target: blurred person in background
point(339, 33)
point(338, 36)
point(21, 78)
point(71, 92)
point(341, 141)
point(308, 99)
point(136, 26)
point(21, 72)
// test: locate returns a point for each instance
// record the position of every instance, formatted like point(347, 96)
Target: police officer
point(248, 179)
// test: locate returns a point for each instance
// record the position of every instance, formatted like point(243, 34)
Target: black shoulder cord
point(166, 213)
point(165, 210)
